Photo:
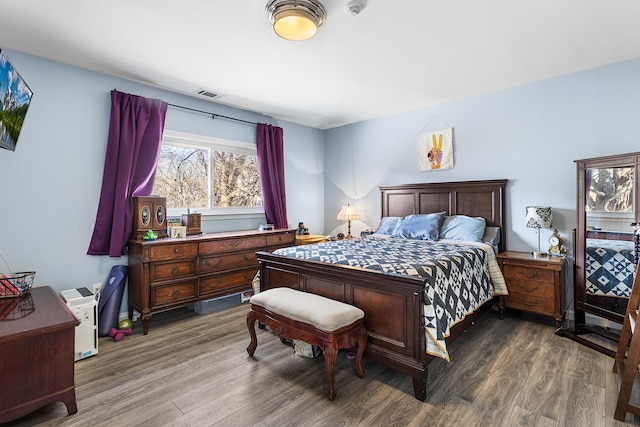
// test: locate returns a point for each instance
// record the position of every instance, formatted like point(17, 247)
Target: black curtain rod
point(213, 115)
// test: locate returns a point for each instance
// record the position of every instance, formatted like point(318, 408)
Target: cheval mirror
point(605, 248)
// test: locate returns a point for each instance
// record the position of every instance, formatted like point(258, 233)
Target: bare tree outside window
point(235, 178)
point(611, 190)
point(197, 177)
point(181, 176)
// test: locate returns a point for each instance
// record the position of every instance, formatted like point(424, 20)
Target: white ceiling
point(394, 56)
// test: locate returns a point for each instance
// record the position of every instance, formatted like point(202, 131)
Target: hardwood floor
point(193, 370)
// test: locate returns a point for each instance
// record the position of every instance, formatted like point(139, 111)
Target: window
point(210, 175)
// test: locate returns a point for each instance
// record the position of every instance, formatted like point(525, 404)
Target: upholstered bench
point(316, 320)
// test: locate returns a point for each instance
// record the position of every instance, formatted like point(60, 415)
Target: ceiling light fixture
point(296, 19)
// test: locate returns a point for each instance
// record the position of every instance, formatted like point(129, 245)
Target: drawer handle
point(235, 245)
point(175, 270)
point(176, 293)
point(246, 257)
point(528, 303)
point(280, 238)
point(526, 289)
point(529, 276)
point(175, 250)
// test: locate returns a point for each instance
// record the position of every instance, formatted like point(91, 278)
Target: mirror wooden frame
point(608, 308)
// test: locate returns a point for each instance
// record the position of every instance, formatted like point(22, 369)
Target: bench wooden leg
point(251, 321)
point(330, 350)
point(362, 343)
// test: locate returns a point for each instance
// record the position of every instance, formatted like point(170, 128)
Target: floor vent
point(207, 94)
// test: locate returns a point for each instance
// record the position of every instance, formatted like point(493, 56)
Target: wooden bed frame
point(397, 341)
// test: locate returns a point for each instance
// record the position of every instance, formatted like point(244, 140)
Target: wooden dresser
point(535, 283)
point(37, 338)
point(169, 273)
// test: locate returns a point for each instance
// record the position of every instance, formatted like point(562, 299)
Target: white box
point(216, 304)
point(85, 307)
point(303, 349)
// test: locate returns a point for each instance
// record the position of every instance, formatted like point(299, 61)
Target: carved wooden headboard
point(471, 198)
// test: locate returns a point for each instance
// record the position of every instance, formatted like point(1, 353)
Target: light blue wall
point(529, 134)
point(51, 184)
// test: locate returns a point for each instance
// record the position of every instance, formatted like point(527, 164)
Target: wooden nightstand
point(535, 284)
point(308, 239)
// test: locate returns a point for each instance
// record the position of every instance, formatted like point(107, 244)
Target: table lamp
point(538, 217)
point(348, 213)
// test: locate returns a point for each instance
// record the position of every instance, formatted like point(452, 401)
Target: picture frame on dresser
point(178, 232)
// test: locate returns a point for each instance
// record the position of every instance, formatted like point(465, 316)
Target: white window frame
point(190, 140)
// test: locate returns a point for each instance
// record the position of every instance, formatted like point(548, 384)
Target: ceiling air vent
point(207, 94)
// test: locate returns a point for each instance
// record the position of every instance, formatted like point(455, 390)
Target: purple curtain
point(135, 136)
point(270, 150)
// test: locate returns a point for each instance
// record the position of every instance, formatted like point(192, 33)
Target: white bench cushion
point(323, 313)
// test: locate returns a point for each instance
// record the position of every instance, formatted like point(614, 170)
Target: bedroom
point(529, 134)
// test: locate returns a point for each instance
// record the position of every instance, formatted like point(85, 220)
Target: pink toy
point(118, 334)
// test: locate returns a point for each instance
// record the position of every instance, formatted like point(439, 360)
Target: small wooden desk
point(37, 339)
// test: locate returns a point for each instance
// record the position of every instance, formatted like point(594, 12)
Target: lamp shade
point(539, 217)
point(348, 213)
point(296, 20)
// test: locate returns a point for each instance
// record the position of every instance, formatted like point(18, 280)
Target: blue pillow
point(420, 226)
point(462, 227)
point(388, 225)
point(491, 235)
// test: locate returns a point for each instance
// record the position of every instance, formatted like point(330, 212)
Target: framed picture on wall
point(15, 97)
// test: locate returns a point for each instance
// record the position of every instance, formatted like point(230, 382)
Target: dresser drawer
point(230, 245)
point(177, 250)
point(227, 262)
point(532, 303)
point(517, 272)
point(173, 293)
point(221, 282)
point(531, 287)
point(172, 270)
point(284, 239)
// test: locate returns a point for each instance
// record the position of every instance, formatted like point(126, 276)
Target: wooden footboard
point(393, 306)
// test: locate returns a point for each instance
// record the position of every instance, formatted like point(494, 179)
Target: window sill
point(222, 212)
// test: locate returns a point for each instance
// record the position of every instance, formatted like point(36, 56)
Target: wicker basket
point(16, 284)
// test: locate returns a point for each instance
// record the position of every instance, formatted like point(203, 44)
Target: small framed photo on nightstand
point(178, 232)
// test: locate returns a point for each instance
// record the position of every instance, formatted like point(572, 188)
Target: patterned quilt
point(457, 275)
point(610, 267)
